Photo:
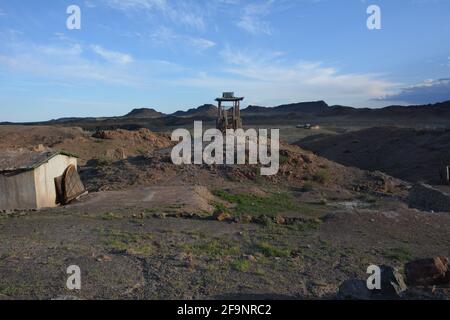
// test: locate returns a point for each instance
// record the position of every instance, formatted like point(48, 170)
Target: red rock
point(433, 271)
point(221, 216)
point(103, 258)
point(280, 220)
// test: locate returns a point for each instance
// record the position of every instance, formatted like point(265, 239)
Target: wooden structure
point(229, 118)
point(37, 179)
point(69, 186)
point(445, 175)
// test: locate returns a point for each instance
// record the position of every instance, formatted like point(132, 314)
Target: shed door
point(72, 185)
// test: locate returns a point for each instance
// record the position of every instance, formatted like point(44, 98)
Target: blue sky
point(173, 55)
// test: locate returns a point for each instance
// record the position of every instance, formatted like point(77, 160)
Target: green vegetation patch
point(110, 216)
point(399, 254)
point(269, 250)
point(254, 205)
point(321, 176)
point(241, 265)
point(132, 243)
point(213, 248)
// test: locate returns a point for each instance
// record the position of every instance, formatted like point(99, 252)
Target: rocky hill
point(206, 110)
point(314, 108)
point(405, 153)
point(144, 113)
point(415, 112)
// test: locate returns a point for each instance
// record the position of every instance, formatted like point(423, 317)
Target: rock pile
point(419, 274)
point(428, 272)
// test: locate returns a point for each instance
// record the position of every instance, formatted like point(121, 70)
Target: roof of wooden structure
point(230, 99)
point(26, 160)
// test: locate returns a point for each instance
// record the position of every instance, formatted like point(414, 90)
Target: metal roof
point(230, 99)
point(25, 160)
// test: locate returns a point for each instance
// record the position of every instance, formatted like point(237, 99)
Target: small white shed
point(28, 179)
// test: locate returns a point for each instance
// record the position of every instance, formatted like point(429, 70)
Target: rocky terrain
point(407, 153)
point(152, 230)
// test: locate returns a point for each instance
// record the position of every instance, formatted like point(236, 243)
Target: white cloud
point(136, 4)
point(166, 36)
point(270, 79)
point(89, 4)
point(267, 78)
point(112, 56)
point(67, 63)
point(200, 43)
point(430, 91)
point(252, 19)
point(180, 12)
point(63, 51)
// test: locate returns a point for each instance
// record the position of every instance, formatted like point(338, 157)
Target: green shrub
point(321, 176)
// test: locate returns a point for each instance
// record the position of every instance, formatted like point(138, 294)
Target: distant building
point(308, 126)
point(34, 180)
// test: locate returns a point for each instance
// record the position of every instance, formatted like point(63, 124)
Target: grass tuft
point(399, 254)
point(270, 250)
point(254, 205)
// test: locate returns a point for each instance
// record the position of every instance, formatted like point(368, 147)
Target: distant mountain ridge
point(144, 113)
point(204, 110)
point(313, 107)
point(315, 111)
point(441, 109)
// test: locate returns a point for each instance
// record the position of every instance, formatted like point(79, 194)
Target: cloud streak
point(269, 78)
point(430, 91)
point(70, 62)
point(252, 20)
point(112, 56)
point(178, 12)
point(166, 36)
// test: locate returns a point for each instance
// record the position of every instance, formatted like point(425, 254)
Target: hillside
point(313, 108)
point(206, 110)
point(414, 112)
point(422, 116)
point(144, 113)
point(405, 153)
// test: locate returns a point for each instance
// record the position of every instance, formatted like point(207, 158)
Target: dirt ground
point(141, 250)
point(149, 229)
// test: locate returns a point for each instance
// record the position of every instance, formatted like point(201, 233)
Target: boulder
point(428, 272)
point(392, 284)
point(354, 289)
point(392, 287)
point(280, 219)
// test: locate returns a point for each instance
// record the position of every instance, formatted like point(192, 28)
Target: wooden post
point(447, 171)
point(225, 116)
